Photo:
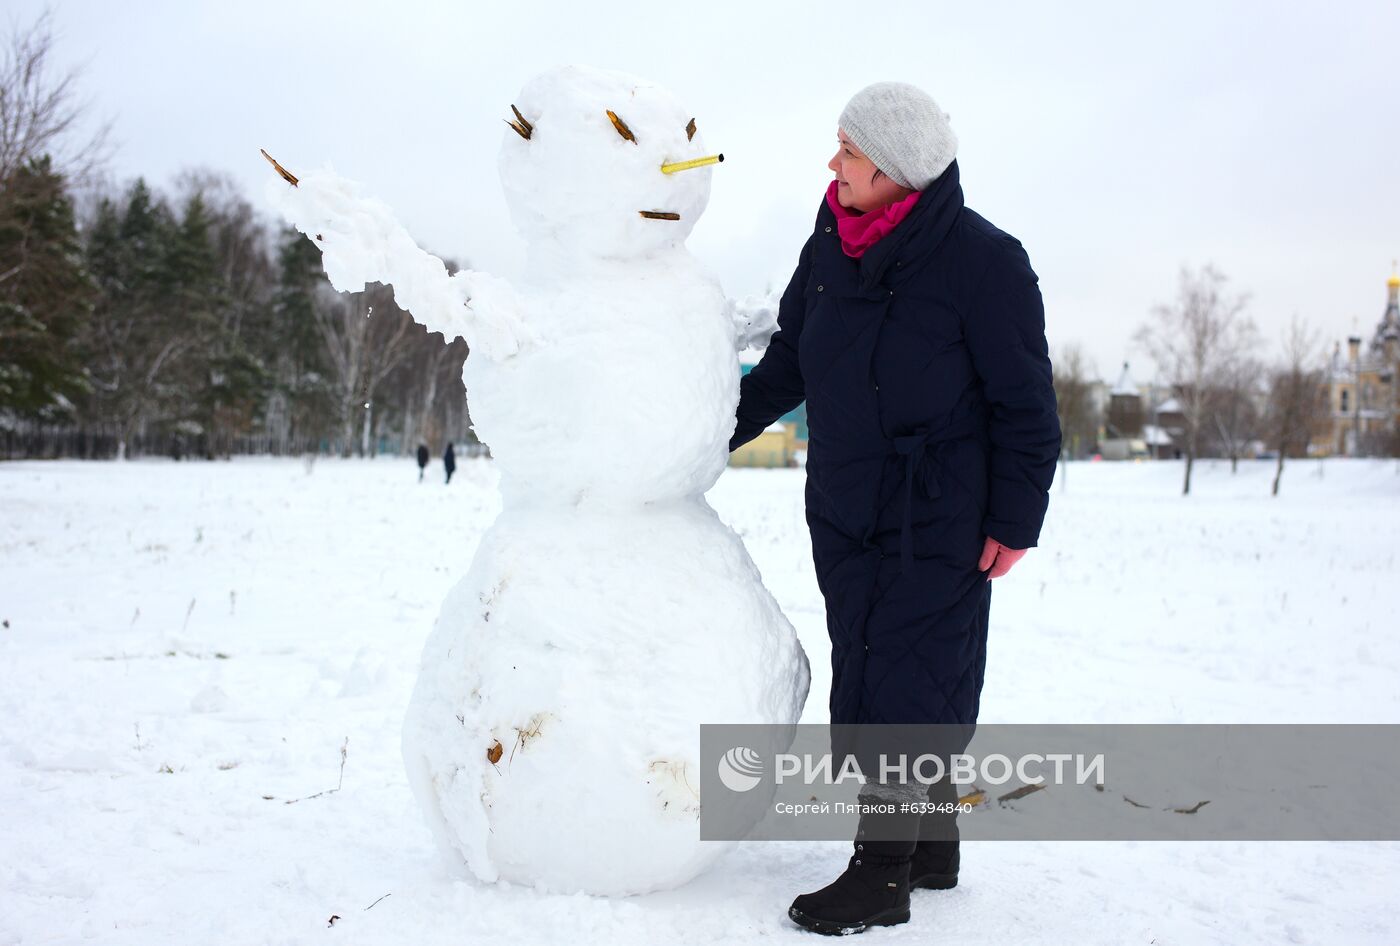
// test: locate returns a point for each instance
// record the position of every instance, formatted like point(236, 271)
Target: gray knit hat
point(902, 130)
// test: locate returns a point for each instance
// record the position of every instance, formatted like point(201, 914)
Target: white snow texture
point(608, 611)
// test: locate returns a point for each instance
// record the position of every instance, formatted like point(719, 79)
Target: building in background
point(1165, 436)
point(1122, 437)
point(1362, 389)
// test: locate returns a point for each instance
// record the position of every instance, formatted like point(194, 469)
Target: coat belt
point(915, 447)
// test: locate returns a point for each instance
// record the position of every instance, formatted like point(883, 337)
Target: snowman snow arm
point(755, 318)
point(361, 242)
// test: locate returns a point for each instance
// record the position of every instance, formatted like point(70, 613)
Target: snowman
point(552, 738)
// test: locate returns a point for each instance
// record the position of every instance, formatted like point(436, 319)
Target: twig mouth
point(659, 215)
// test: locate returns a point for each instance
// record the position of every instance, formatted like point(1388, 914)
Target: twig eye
point(522, 127)
point(690, 131)
point(621, 127)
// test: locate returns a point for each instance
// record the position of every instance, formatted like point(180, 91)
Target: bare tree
point(427, 379)
point(1236, 415)
point(366, 336)
point(40, 110)
point(1298, 406)
point(1074, 401)
point(1193, 340)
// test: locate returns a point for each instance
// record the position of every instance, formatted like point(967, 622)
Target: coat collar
point(917, 235)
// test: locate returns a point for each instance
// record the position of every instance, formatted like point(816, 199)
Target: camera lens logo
point(740, 769)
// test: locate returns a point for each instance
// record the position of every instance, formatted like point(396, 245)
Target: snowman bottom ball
point(553, 736)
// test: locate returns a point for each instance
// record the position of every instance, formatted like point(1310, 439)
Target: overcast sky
point(1117, 142)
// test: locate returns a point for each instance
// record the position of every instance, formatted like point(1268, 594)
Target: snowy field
point(189, 647)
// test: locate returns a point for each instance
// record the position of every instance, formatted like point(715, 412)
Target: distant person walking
point(422, 460)
point(449, 460)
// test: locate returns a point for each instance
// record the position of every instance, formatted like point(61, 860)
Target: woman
point(914, 330)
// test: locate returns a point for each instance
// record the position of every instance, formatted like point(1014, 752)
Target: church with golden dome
point(1362, 387)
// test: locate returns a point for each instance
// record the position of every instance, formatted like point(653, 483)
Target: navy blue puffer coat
point(932, 424)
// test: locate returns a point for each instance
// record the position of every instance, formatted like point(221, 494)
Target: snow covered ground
point(190, 646)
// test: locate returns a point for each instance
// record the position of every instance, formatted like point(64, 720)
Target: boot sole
point(934, 882)
point(891, 917)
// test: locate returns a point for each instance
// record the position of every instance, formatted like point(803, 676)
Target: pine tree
point(247, 280)
point(45, 295)
point(300, 407)
point(219, 377)
point(99, 340)
point(138, 340)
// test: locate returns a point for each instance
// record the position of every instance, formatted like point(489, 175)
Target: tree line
point(184, 324)
point(134, 321)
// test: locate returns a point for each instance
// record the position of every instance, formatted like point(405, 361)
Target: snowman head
point(592, 182)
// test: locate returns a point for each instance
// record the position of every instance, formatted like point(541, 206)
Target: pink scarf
point(860, 231)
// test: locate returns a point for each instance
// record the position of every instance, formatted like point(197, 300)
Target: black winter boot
point(934, 865)
point(874, 889)
point(935, 862)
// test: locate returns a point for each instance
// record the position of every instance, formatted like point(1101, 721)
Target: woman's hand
point(998, 558)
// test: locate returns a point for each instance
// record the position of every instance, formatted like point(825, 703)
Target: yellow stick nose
point(693, 163)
